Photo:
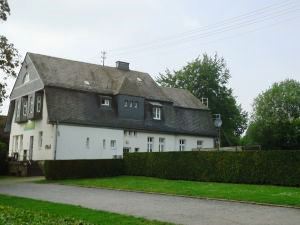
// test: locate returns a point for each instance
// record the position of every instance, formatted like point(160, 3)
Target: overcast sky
point(259, 39)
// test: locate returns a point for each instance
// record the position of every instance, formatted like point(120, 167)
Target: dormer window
point(26, 78)
point(136, 104)
point(105, 101)
point(156, 110)
point(157, 113)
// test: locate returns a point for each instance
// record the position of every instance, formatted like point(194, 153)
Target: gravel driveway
point(152, 206)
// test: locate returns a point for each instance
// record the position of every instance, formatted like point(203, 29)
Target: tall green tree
point(208, 77)
point(9, 56)
point(275, 122)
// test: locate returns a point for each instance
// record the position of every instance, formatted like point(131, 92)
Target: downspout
point(55, 143)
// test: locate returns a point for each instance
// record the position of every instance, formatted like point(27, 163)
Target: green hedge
point(254, 167)
point(64, 169)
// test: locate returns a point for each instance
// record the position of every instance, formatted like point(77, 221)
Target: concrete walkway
point(178, 210)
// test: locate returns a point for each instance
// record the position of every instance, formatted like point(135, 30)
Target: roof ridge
point(77, 61)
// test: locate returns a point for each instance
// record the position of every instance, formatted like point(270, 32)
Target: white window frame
point(161, 144)
point(87, 142)
point(105, 102)
point(157, 113)
point(150, 143)
point(25, 108)
point(40, 139)
point(38, 103)
point(31, 104)
point(182, 143)
point(113, 144)
point(104, 144)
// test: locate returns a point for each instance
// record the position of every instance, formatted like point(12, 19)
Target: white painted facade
point(81, 142)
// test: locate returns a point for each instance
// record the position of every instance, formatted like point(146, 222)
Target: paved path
point(165, 208)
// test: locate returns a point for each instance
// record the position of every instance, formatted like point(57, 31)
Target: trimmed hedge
point(64, 169)
point(254, 167)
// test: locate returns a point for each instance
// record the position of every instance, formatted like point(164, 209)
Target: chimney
point(122, 65)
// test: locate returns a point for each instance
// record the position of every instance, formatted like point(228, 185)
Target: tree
point(275, 122)
point(208, 77)
point(9, 56)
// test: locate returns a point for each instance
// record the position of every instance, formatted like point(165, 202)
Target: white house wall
point(48, 141)
point(171, 141)
point(72, 142)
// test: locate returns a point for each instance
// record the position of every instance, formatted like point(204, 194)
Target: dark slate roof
point(183, 98)
point(79, 107)
point(76, 75)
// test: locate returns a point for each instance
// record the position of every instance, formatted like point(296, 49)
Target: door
point(30, 147)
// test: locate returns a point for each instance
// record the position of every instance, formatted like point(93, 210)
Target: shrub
point(3, 158)
point(254, 167)
point(63, 169)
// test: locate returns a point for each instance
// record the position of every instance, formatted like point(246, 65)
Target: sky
point(259, 39)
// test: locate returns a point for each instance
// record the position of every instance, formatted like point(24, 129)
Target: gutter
point(55, 143)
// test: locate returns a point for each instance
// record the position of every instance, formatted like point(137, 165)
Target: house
point(64, 109)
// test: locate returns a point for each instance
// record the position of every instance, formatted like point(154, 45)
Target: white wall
point(71, 142)
point(42, 153)
point(171, 141)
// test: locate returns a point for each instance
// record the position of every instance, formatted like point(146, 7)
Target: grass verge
point(277, 195)
point(16, 210)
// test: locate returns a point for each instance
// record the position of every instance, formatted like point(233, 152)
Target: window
point(87, 142)
point(130, 104)
point(31, 104)
point(181, 145)
point(156, 113)
point(136, 104)
point(136, 149)
point(21, 143)
point(199, 143)
point(134, 133)
point(150, 144)
point(38, 103)
point(161, 144)
point(126, 103)
point(26, 78)
point(25, 107)
point(105, 102)
point(40, 139)
point(113, 144)
point(104, 144)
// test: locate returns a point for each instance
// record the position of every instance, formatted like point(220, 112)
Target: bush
point(3, 158)
point(63, 169)
point(254, 167)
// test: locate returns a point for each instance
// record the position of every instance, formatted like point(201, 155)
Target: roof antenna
point(103, 57)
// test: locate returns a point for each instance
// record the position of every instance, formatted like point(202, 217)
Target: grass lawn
point(16, 210)
point(244, 192)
